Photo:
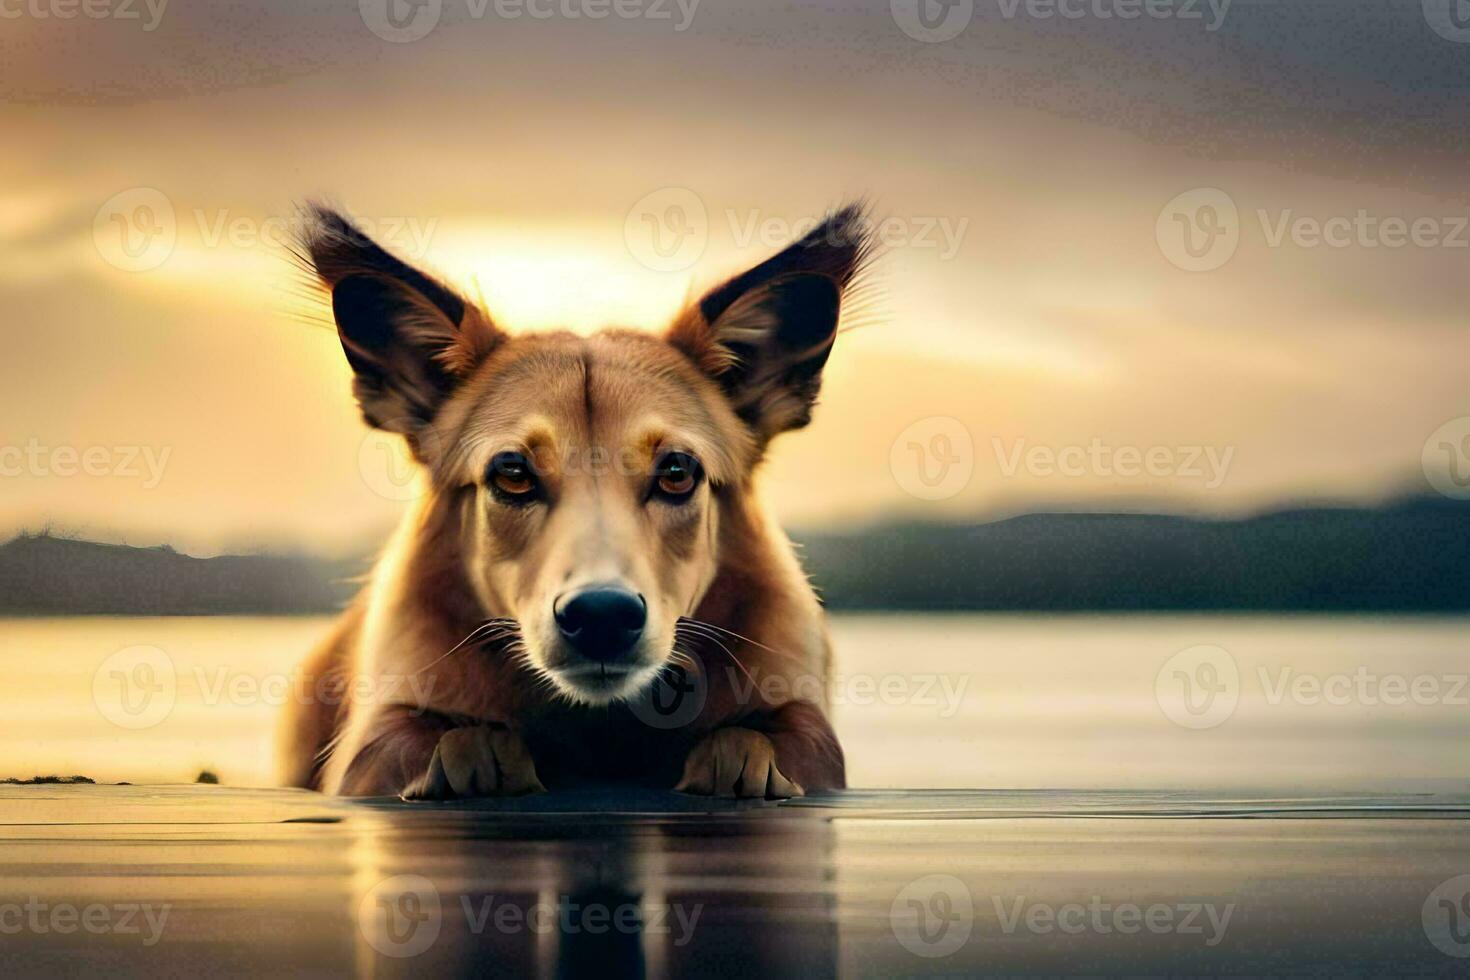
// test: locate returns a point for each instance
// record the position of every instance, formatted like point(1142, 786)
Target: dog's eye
point(677, 476)
point(513, 479)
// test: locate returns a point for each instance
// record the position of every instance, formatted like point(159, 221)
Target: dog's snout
point(602, 622)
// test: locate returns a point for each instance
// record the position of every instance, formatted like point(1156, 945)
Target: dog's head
point(581, 480)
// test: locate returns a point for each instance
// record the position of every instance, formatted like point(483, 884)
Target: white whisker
point(729, 632)
point(691, 623)
point(485, 631)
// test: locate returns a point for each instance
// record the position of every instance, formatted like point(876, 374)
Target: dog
point(588, 552)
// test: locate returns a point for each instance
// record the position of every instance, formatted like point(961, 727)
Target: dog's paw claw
point(736, 762)
point(477, 761)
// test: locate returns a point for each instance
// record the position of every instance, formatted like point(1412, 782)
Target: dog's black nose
point(603, 622)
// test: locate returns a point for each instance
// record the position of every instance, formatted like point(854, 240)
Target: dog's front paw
point(477, 761)
point(736, 762)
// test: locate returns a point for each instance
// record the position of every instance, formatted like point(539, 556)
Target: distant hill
point(1413, 556)
point(42, 574)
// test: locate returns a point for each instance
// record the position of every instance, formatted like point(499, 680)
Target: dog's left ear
point(765, 335)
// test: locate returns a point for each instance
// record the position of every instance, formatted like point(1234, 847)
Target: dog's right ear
point(409, 338)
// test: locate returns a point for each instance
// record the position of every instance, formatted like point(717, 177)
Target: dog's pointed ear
point(409, 338)
point(765, 335)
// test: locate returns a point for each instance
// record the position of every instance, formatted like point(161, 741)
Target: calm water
point(270, 882)
point(1275, 704)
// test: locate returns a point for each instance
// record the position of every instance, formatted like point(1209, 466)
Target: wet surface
point(162, 881)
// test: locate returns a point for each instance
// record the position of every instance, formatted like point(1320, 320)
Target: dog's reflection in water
point(602, 897)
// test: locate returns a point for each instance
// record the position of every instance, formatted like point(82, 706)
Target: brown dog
point(587, 589)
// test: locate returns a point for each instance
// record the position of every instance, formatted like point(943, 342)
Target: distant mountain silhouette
point(42, 574)
point(1413, 556)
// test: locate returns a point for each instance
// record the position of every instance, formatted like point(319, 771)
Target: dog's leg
point(806, 745)
point(780, 753)
point(310, 721)
point(394, 750)
point(478, 760)
point(308, 724)
point(425, 755)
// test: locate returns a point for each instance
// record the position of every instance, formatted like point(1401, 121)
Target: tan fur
point(452, 711)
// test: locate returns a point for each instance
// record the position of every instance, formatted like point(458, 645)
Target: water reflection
point(573, 894)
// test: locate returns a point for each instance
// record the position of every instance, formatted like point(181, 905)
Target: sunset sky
point(1032, 171)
